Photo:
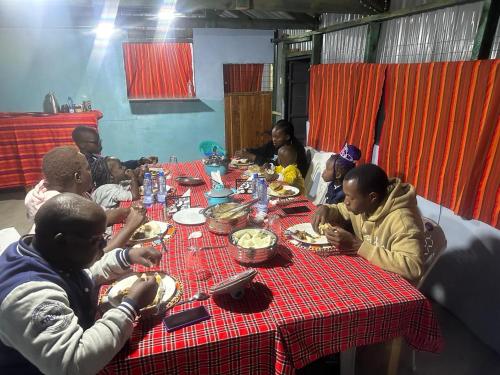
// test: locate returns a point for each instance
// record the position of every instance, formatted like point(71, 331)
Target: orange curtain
point(242, 77)
point(343, 105)
point(440, 133)
point(158, 70)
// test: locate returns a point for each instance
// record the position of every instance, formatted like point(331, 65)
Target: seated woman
point(66, 170)
point(287, 171)
point(124, 187)
point(282, 134)
point(336, 168)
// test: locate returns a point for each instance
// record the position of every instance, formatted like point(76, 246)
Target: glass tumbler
point(196, 264)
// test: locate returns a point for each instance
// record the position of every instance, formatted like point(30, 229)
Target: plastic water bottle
point(255, 180)
point(263, 201)
point(71, 105)
point(162, 189)
point(148, 190)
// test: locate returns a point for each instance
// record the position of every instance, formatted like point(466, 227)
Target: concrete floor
point(464, 353)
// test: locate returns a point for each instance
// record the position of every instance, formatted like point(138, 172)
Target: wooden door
point(248, 120)
point(297, 95)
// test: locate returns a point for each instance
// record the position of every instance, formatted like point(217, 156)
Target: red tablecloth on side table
point(25, 138)
point(301, 307)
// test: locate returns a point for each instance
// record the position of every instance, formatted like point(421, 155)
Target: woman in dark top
point(282, 134)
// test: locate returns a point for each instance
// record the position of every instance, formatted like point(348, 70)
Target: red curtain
point(242, 77)
point(440, 133)
point(343, 105)
point(158, 70)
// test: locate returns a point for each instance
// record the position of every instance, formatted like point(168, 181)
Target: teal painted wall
point(70, 63)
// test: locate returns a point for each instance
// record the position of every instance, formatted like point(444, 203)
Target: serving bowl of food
point(218, 222)
point(252, 245)
point(215, 163)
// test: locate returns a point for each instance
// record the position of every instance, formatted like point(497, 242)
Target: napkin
point(216, 177)
point(187, 193)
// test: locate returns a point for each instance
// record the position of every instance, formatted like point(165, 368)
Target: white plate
point(155, 169)
point(169, 286)
point(189, 216)
point(294, 191)
point(307, 227)
point(158, 228)
point(241, 162)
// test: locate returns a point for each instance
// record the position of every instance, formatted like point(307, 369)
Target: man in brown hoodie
point(383, 213)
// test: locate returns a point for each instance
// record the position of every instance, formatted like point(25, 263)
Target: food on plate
point(159, 293)
point(305, 236)
point(254, 169)
point(279, 189)
point(322, 228)
point(276, 186)
point(253, 238)
point(147, 230)
point(240, 161)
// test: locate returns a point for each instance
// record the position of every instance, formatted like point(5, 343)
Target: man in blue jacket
point(48, 297)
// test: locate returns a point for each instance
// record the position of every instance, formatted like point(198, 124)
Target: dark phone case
point(185, 318)
point(296, 210)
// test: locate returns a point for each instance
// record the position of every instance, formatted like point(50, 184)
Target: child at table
point(124, 187)
point(287, 171)
point(336, 168)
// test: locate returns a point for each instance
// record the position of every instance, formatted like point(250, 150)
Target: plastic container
point(255, 180)
point(148, 190)
point(262, 204)
point(162, 189)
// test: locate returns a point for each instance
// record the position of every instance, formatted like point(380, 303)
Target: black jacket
point(268, 154)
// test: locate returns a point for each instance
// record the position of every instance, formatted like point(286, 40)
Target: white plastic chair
point(315, 187)
point(7, 236)
point(435, 243)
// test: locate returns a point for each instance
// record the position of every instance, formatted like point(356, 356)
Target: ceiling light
point(104, 30)
point(167, 14)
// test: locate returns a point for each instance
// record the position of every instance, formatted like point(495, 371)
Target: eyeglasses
point(99, 239)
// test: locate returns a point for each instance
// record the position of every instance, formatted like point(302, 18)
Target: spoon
point(200, 296)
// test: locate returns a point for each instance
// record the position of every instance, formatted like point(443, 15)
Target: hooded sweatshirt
point(393, 236)
point(36, 198)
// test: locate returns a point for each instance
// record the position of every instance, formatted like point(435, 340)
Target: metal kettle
point(50, 103)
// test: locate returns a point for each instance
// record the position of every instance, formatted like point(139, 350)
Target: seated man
point(66, 170)
point(48, 299)
point(88, 141)
point(388, 229)
point(125, 185)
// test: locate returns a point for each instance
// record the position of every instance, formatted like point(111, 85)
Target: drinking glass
point(274, 223)
point(196, 264)
point(173, 165)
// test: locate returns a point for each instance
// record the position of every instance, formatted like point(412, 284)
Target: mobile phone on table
point(185, 318)
point(296, 210)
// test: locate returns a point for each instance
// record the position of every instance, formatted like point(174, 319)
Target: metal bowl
point(252, 255)
point(224, 226)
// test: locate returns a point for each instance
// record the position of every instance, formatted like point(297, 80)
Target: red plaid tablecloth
point(25, 138)
point(301, 307)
